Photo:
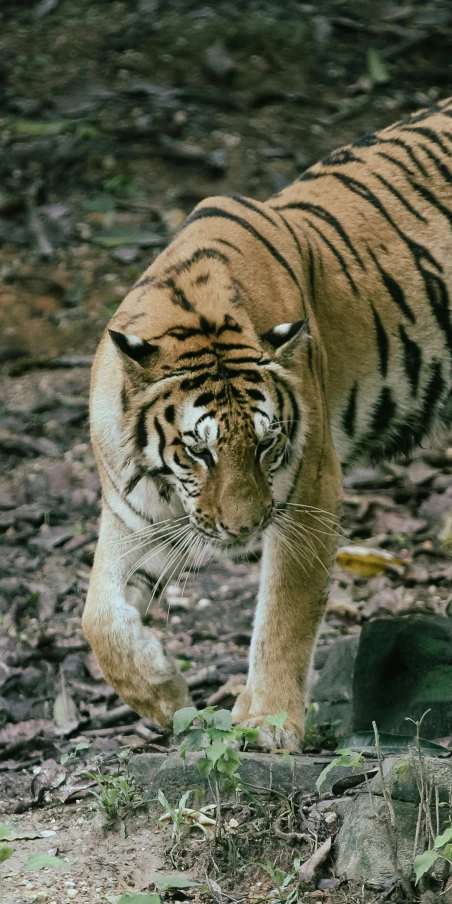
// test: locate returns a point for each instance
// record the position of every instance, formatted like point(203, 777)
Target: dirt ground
point(115, 119)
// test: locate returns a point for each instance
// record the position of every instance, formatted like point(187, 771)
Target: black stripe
point(195, 382)
point(398, 142)
point(229, 324)
point(432, 199)
point(383, 413)
point(200, 254)
point(145, 577)
point(412, 359)
point(393, 288)
point(341, 157)
point(311, 272)
point(337, 254)
point(121, 495)
point(229, 245)
point(349, 415)
point(204, 416)
point(232, 346)
point(382, 341)
point(433, 393)
point(170, 413)
point(430, 134)
point(317, 211)
point(256, 394)
point(124, 399)
point(202, 279)
point(197, 353)
point(300, 253)
point(134, 480)
point(397, 194)
point(214, 212)
point(162, 439)
point(141, 436)
point(204, 399)
point(245, 202)
point(278, 381)
point(405, 169)
point(440, 165)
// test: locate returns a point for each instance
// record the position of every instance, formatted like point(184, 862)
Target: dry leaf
point(366, 562)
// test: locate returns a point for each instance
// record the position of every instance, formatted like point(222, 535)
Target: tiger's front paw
point(287, 736)
point(155, 701)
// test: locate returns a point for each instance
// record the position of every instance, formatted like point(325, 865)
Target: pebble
point(203, 604)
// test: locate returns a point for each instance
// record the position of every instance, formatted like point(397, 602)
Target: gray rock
point(51, 538)
point(333, 691)
point(362, 848)
point(263, 771)
point(403, 668)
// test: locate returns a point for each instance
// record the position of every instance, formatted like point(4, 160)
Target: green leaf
point(5, 852)
point(204, 766)
point(116, 238)
point(248, 734)
point(100, 204)
point(64, 758)
point(163, 882)
point(41, 861)
point(196, 739)
point(229, 763)
point(216, 750)
point(138, 897)
point(443, 839)
point(447, 852)
point(364, 741)
point(376, 68)
point(5, 832)
point(402, 769)
point(324, 773)
point(183, 718)
point(348, 758)
point(223, 719)
point(423, 862)
point(277, 721)
point(184, 665)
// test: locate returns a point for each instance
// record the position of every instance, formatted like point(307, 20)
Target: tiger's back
point(376, 219)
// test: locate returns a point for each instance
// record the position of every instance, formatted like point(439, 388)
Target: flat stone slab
point(263, 772)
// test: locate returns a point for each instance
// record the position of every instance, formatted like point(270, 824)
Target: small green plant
point(83, 745)
point(286, 883)
point(211, 732)
point(116, 794)
point(348, 758)
point(182, 817)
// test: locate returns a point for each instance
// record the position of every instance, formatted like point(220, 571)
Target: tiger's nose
point(245, 529)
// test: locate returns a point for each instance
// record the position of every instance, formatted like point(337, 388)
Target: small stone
point(127, 254)
point(218, 62)
point(203, 604)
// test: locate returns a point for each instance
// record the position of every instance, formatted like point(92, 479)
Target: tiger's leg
point(294, 587)
point(129, 654)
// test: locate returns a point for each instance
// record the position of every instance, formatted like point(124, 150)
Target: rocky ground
point(114, 120)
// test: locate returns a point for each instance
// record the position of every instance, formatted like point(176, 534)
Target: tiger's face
point(213, 423)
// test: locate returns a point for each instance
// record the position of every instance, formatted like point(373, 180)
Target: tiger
point(267, 348)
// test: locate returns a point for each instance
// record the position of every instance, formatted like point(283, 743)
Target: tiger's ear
point(282, 339)
point(133, 347)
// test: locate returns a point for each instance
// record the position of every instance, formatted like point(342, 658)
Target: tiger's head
point(210, 413)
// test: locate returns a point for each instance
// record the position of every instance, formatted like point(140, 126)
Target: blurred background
point(117, 117)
